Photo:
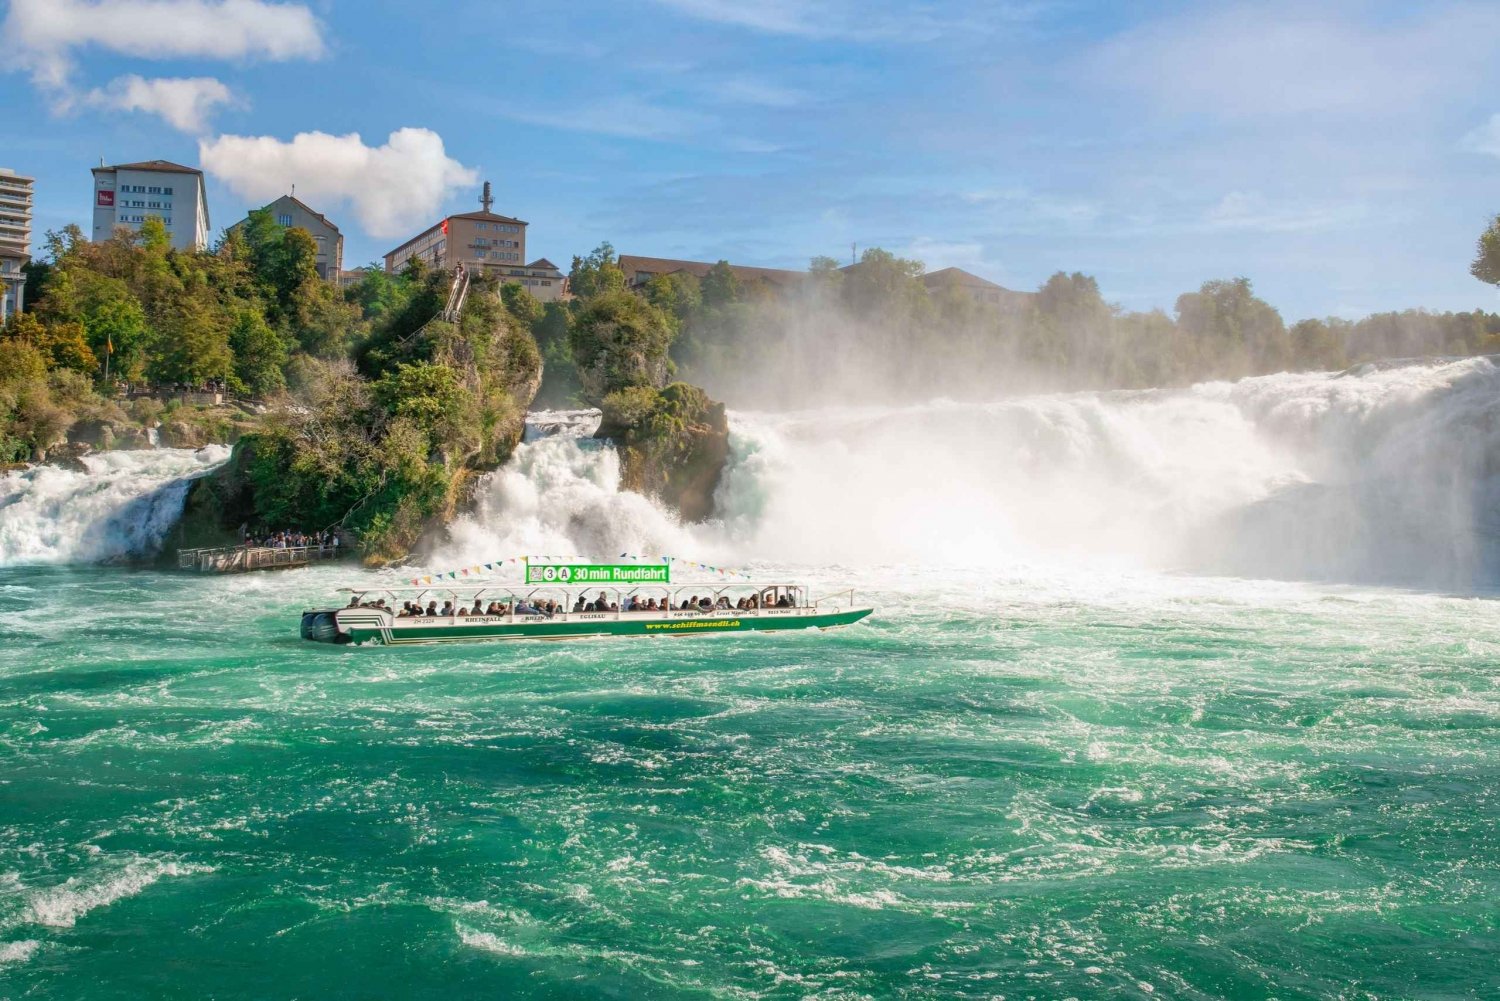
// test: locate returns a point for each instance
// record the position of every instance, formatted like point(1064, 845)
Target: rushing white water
point(121, 504)
point(1385, 475)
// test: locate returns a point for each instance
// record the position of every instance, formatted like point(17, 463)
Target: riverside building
point(288, 212)
point(127, 194)
point(483, 242)
point(15, 240)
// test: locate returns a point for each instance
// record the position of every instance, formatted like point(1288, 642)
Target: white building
point(129, 193)
point(15, 240)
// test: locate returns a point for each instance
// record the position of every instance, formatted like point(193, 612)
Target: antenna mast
point(486, 199)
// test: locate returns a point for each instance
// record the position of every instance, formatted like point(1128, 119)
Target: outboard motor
point(322, 627)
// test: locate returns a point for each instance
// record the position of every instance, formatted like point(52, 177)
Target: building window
point(548, 284)
point(153, 191)
point(479, 253)
point(166, 191)
point(284, 220)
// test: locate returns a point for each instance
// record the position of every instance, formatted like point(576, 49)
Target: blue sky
point(1344, 156)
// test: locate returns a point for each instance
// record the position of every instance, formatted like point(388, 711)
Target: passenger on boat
point(447, 608)
point(579, 605)
point(705, 605)
point(432, 608)
point(478, 608)
point(785, 601)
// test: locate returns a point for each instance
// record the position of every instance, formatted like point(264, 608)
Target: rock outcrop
point(673, 444)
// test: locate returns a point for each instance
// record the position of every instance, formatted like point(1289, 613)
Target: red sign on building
point(107, 199)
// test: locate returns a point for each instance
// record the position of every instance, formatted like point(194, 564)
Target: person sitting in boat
point(478, 608)
point(785, 601)
point(432, 608)
point(579, 605)
point(354, 601)
point(447, 608)
point(524, 607)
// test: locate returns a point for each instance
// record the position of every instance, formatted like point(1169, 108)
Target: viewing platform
point(239, 559)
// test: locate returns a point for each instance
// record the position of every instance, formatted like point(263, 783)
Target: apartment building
point(15, 240)
point(127, 194)
point(288, 212)
point(483, 242)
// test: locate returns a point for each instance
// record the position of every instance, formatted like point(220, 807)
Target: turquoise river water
point(1027, 776)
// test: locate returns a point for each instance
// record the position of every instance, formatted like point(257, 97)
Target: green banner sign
point(598, 573)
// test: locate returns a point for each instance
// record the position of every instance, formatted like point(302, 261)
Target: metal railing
point(234, 559)
point(835, 596)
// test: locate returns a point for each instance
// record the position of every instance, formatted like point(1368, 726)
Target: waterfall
point(120, 504)
point(1380, 475)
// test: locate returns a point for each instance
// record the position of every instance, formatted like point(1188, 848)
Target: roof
point(666, 266)
point(300, 204)
point(962, 277)
point(310, 211)
point(485, 217)
point(480, 216)
point(542, 262)
point(165, 166)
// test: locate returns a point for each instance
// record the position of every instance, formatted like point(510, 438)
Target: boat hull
point(377, 626)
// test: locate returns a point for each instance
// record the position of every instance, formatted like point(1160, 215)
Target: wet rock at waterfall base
point(673, 444)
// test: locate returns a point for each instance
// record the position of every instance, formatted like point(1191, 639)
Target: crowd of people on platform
point(548, 608)
point(291, 539)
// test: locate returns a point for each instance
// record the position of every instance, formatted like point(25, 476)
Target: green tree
point(1240, 333)
point(597, 274)
point(619, 340)
point(260, 356)
point(720, 286)
point(1486, 266)
point(523, 307)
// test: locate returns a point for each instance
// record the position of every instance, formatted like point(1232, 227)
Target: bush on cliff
point(673, 444)
point(387, 447)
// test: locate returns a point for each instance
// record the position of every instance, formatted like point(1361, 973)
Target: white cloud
point(1484, 139)
point(185, 102)
point(391, 188)
point(44, 33)
point(1284, 59)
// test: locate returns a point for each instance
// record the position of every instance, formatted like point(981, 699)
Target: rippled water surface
point(1032, 785)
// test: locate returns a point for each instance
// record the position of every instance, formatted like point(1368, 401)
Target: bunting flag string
point(479, 569)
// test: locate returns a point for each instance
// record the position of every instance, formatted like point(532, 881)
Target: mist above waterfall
point(1382, 476)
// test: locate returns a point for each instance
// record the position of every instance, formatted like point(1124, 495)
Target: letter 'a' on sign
point(598, 573)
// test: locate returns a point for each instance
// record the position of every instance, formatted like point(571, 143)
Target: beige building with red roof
point(128, 194)
point(483, 242)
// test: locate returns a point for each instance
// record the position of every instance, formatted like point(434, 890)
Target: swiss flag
point(445, 227)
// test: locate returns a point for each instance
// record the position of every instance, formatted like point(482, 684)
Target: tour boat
point(374, 615)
